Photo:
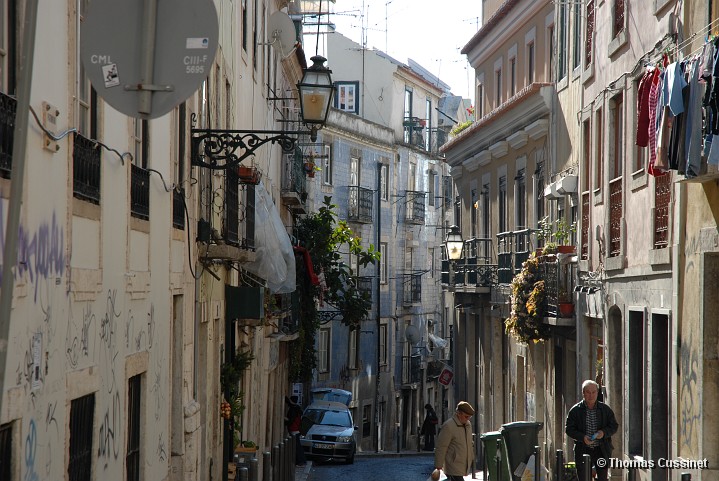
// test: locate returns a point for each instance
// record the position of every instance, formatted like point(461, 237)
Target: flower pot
point(566, 309)
point(566, 249)
point(248, 175)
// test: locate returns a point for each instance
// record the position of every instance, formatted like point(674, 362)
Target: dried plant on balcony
point(526, 319)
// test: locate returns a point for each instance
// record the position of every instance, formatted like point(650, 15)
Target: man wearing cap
point(454, 450)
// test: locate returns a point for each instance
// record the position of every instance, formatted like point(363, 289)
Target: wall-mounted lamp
point(315, 90)
point(454, 243)
point(225, 149)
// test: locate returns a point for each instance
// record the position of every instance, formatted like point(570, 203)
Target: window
point(562, 41)
point(86, 95)
point(447, 186)
point(383, 262)
point(486, 225)
point(431, 255)
point(327, 165)
point(428, 124)
point(539, 191)
point(8, 46)
point(384, 181)
point(521, 200)
point(367, 420)
point(134, 423)
point(141, 142)
point(245, 16)
point(431, 179)
point(140, 176)
point(598, 149)
point(82, 413)
point(6, 452)
point(498, 90)
point(635, 391)
point(473, 212)
point(352, 349)
point(618, 11)
point(323, 361)
point(577, 36)
point(530, 62)
point(480, 102)
point(408, 115)
point(589, 34)
point(503, 204)
point(512, 76)
point(383, 344)
point(255, 34)
point(178, 200)
point(551, 43)
point(346, 98)
point(587, 142)
point(618, 136)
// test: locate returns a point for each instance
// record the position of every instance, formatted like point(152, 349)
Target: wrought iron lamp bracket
point(226, 149)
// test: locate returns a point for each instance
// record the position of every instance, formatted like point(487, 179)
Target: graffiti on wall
point(689, 395)
point(40, 253)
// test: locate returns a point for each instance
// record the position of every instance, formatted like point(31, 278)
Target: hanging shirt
point(672, 88)
point(645, 86)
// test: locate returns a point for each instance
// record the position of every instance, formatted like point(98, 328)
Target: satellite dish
point(283, 33)
point(412, 334)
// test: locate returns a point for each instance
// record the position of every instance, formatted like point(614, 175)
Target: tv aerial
point(283, 32)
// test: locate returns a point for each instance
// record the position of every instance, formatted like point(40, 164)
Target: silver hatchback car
point(327, 432)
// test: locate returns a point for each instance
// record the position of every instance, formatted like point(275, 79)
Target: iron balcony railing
point(360, 204)
point(415, 207)
point(615, 217)
point(559, 283)
point(505, 257)
point(412, 288)
point(85, 169)
point(140, 193)
point(8, 108)
point(475, 268)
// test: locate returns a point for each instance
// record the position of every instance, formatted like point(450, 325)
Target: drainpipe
point(378, 234)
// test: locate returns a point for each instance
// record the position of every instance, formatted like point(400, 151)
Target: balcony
point(8, 108)
point(140, 193)
point(415, 207)
point(360, 204)
point(234, 232)
point(559, 281)
point(475, 271)
point(294, 182)
point(85, 169)
point(412, 288)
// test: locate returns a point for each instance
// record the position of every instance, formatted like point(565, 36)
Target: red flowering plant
point(525, 322)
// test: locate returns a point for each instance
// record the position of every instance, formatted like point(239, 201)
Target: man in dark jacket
point(591, 424)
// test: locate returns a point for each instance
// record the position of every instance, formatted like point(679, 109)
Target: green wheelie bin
point(520, 438)
point(495, 456)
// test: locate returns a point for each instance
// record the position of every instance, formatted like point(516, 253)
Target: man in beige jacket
point(454, 450)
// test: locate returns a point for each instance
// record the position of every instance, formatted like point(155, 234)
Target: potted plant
point(564, 303)
point(558, 232)
point(248, 174)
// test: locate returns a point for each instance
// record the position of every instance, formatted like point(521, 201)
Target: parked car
point(327, 432)
point(331, 394)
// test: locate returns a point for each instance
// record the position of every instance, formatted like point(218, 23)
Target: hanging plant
point(526, 319)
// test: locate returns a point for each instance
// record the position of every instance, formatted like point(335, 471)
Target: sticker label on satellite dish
point(197, 42)
point(109, 73)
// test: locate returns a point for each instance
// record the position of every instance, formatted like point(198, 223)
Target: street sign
point(446, 376)
point(145, 57)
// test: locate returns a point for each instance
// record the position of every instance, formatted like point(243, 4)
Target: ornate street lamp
point(315, 90)
point(225, 149)
point(454, 243)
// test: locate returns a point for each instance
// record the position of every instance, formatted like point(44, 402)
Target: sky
point(430, 32)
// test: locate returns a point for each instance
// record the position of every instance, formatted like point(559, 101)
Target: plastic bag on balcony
point(272, 239)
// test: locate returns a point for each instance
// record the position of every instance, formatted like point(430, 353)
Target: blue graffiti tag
point(30, 450)
point(40, 254)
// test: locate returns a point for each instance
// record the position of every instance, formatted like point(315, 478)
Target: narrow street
point(409, 466)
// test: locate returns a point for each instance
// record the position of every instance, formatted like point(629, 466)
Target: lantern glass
point(316, 92)
point(454, 243)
